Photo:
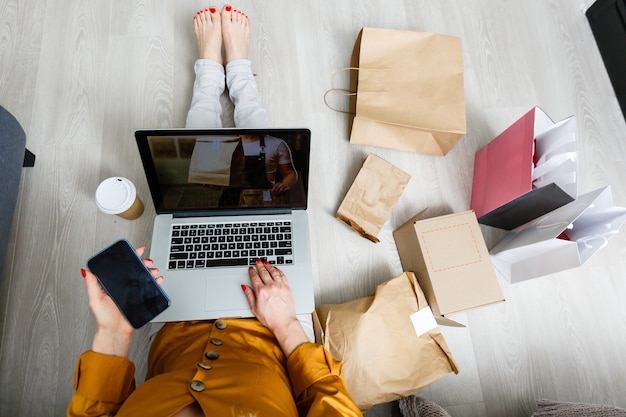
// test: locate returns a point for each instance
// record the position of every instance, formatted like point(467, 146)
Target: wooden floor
point(81, 76)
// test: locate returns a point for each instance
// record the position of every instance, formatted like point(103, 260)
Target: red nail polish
point(244, 287)
point(259, 260)
point(212, 9)
point(82, 271)
point(229, 8)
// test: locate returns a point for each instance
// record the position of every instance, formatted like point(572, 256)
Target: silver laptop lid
point(235, 171)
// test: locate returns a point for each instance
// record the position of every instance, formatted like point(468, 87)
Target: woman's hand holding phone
point(114, 331)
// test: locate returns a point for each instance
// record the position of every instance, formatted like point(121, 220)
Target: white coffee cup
point(118, 195)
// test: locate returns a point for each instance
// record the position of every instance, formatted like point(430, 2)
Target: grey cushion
point(547, 408)
point(12, 146)
point(419, 407)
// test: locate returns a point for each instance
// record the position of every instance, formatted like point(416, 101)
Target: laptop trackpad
point(224, 294)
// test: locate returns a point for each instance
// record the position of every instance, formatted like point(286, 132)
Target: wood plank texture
point(81, 76)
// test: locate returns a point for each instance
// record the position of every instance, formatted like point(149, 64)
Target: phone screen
point(128, 282)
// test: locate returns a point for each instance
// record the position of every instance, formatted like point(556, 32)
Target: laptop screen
point(226, 169)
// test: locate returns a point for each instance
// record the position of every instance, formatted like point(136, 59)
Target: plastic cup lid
point(115, 195)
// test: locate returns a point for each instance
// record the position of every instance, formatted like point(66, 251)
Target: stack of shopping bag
point(525, 181)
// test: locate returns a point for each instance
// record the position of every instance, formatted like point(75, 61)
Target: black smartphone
point(129, 283)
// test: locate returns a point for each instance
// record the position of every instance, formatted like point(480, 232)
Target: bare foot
point(207, 27)
point(236, 32)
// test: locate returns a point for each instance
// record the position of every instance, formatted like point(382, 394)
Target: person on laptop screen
point(266, 159)
point(266, 366)
point(237, 166)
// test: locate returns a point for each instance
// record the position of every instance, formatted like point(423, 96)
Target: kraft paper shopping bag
point(525, 172)
point(388, 342)
point(562, 239)
point(376, 189)
point(408, 91)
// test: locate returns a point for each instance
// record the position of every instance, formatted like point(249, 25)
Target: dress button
point(204, 366)
point(197, 386)
point(216, 342)
point(212, 355)
point(221, 325)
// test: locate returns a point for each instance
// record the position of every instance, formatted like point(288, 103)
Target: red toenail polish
point(83, 272)
point(212, 10)
point(228, 8)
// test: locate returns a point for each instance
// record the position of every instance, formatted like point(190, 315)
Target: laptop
point(224, 198)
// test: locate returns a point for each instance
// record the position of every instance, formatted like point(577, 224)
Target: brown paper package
point(383, 359)
point(376, 189)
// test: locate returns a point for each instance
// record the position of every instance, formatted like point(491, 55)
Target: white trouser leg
point(205, 110)
point(244, 93)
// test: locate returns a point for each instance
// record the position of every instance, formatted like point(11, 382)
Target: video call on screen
point(223, 172)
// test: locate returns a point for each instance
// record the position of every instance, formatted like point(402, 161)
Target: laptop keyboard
point(195, 246)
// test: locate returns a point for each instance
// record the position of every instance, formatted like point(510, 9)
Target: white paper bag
point(212, 161)
point(562, 239)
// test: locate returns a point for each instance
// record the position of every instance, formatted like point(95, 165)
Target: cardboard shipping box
point(450, 259)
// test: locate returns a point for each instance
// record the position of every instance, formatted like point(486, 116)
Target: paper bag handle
point(342, 91)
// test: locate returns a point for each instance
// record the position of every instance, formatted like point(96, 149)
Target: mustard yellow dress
point(229, 367)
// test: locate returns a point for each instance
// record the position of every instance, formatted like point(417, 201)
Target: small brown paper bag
point(383, 357)
point(409, 91)
point(375, 191)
